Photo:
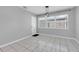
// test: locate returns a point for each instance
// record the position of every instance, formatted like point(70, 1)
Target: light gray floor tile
point(19, 48)
point(1, 50)
point(8, 49)
point(43, 43)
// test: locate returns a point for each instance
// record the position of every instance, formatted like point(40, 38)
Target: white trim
point(55, 17)
point(15, 41)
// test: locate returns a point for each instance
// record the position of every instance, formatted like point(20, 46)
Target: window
point(54, 22)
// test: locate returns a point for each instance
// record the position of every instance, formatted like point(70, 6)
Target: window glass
point(54, 22)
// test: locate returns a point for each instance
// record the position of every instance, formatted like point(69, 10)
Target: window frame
point(66, 25)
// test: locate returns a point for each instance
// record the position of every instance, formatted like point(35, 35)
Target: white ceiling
point(37, 10)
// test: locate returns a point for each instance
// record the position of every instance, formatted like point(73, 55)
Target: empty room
point(39, 28)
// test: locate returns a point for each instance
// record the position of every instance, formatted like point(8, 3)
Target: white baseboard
point(15, 41)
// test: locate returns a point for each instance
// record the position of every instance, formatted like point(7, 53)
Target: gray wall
point(77, 22)
point(14, 24)
point(71, 22)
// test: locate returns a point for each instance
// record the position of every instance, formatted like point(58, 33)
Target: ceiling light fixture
point(46, 12)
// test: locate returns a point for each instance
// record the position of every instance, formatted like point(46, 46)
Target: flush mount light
point(47, 6)
point(46, 12)
point(46, 9)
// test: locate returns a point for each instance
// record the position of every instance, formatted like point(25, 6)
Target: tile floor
point(43, 44)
